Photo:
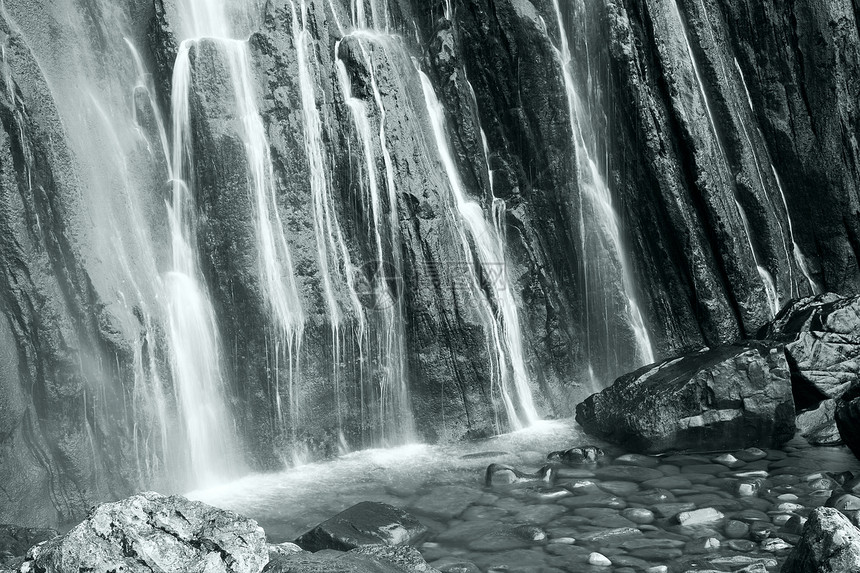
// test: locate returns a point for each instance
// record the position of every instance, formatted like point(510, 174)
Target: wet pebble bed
point(720, 512)
point(738, 511)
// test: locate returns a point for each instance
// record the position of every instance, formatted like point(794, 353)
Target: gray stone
point(364, 559)
point(366, 523)
point(150, 532)
point(818, 426)
point(829, 543)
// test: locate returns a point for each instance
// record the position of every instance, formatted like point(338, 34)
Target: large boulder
point(822, 338)
point(730, 397)
point(365, 559)
point(829, 544)
point(151, 532)
point(366, 523)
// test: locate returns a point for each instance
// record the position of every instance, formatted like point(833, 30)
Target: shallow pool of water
point(736, 513)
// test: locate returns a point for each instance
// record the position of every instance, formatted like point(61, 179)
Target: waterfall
point(193, 329)
point(395, 414)
point(593, 186)
point(504, 323)
point(799, 257)
point(765, 275)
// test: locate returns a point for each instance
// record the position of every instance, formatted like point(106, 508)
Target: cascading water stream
point(764, 274)
point(593, 185)
point(799, 257)
point(395, 414)
point(504, 323)
point(192, 328)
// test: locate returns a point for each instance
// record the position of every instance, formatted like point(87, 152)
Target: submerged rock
point(730, 397)
point(365, 559)
point(151, 532)
point(583, 455)
point(366, 523)
point(829, 543)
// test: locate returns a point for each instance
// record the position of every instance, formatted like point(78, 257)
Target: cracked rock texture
point(150, 532)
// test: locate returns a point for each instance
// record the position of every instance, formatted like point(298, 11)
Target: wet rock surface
point(366, 523)
point(729, 397)
point(365, 559)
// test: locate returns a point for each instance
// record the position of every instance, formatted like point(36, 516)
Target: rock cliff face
point(474, 197)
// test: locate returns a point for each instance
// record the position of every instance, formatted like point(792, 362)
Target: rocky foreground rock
point(829, 544)
point(151, 532)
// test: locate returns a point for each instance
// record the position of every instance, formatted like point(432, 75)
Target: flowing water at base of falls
point(625, 512)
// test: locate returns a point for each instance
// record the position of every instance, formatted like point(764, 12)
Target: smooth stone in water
point(637, 460)
point(744, 545)
point(789, 507)
point(539, 514)
point(619, 488)
point(447, 502)
point(700, 546)
point(750, 455)
point(639, 515)
point(669, 470)
point(454, 565)
point(775, 545)
point(736, 529)
point(596, 512)
point(844, 502)
point(760, 530)
point(672, 509)
point(729, 461)
point(652, 497)
point(668, 482)
point(599, 560)
point(702, 516)
point(593, 501)
point(627, 473)
point(584, 487)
